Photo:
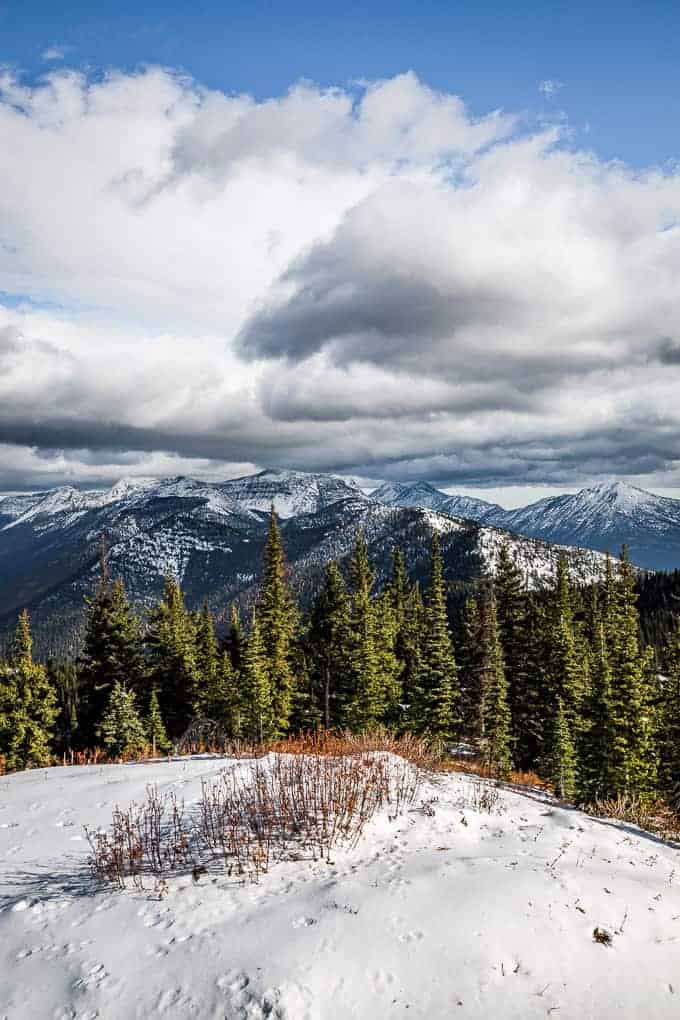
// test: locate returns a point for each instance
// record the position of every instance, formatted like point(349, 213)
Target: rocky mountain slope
point(602, 517)
point(423, 494)
point(211, 536)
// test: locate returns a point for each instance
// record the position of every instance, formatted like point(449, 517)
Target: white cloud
point(549, 87)
point(420, 292)
point(54, 53)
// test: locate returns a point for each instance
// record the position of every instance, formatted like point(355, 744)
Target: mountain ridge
point(603, 517)
point(211, 535)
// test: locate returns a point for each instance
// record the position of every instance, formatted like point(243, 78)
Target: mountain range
point(602, 517)
point(210, 535)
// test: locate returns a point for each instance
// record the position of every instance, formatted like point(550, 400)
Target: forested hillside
point(556, 680)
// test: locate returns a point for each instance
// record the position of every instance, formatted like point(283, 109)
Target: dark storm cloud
point(668, 351)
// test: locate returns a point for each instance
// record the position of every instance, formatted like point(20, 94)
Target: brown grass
point(654, 816)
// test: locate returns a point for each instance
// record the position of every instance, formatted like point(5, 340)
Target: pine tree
point(258, 703)
point(385, 630)
point(398, 590)
point(12, 723)
point(112, 653)
point(598, 733)
point(409, 653)
point(468, 649)
point(28, 706)
point(563, 768)
point(235, 640)
point(634, 764)
point(669, 742)
point(65, 682)
point(329, 644)
point(439, 673)
point(171, 640)
point(207, 657)
point(277, 621)
point(511, 601)
point(223, 701)
point(122, 731)
point(155, 727)
point(495, 711)
point(366, 696)
point(540, 702)
point(567, 658)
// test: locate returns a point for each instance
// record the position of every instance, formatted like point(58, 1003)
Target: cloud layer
point(368, 280)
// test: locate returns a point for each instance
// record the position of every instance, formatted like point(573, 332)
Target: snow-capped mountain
point(211, 535)
point(291, 492)
point(601, 517)
point(605, 517)
point(423, 494)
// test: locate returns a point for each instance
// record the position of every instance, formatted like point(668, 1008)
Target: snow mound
point(475, 903)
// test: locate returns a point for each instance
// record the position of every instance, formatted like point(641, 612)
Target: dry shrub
point(423, 752)
point(289, 807)
point(420, 751)
point(483, 795)
point(476, 767)
point(652, 815)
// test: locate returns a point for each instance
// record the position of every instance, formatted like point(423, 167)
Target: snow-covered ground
point(446, 912)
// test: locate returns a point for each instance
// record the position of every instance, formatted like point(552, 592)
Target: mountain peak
point(618, 494)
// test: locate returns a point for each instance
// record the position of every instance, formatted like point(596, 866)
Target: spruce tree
point(207, 657)
point(563, 766)
point(277, 622)
point(669, 736)
point(11, 719)
point(439, 673)
point(366, 695)
point(121, 731)
point(495, 712)
point(171, 640)
point(385, 631)
point(598, 732)
point(329, 646)
point(567, 656)
point(235, 639)
point(258, 704)
point(28, 707)
point(63, 677)
point(539, 701)
point(398, 590)
point(468, 649)
point(634, 764)
point(155, 727)
point(112, 653)
point(511, 601)
point(223, 699)
point(409, 647)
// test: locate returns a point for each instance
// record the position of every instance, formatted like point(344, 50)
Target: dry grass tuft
point(655, 816)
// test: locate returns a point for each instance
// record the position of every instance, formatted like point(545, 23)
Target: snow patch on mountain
point(422, 494)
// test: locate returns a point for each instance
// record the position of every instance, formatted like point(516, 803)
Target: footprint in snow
point(304, 922)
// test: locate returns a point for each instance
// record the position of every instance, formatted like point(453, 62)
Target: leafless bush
point(483, 795)
point(246, 819)
point(654, 815)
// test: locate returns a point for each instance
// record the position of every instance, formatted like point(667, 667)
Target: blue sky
point(617, 62)
point(399, 241)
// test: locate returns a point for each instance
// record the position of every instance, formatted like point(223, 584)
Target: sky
point(409, 241)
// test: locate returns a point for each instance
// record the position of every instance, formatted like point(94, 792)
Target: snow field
point(475, 903)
